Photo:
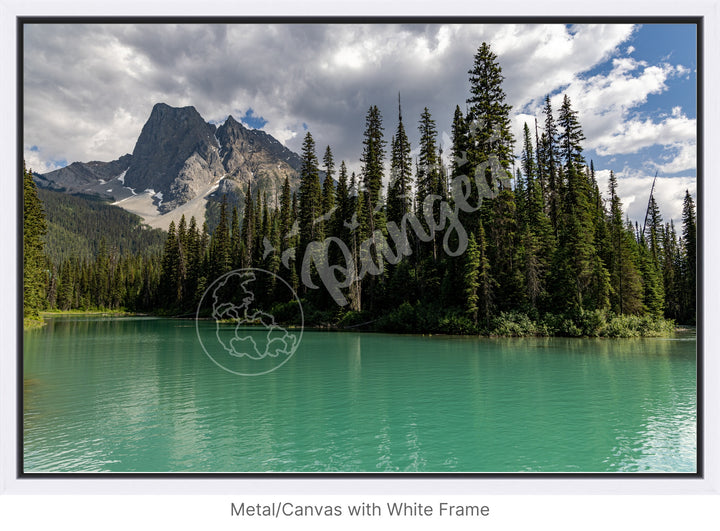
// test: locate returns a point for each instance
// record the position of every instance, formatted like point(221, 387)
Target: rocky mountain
point(176, 155)
point(179, 161)
point(89, 178)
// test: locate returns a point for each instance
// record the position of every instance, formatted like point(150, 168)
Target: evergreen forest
point(484, 244)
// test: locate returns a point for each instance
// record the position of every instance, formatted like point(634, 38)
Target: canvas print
point(453, 247)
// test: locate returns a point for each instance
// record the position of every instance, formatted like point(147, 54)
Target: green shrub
point(456, 323)
point(513, 324)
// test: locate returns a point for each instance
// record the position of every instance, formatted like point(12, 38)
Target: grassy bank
point(114, 313)
point(419, 319)
point(30, 323)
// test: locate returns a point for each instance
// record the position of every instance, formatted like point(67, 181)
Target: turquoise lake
point(140, 395)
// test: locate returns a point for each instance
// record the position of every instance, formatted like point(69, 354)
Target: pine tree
point(548, 159)
point(357, 234)
point(286, 214)
point(502, 250)
point(689, 260)
point(194, 262)
point(571, 136)
point(399, 200)
point(626, 293)
point(459, 153)
point(582, 278)
point(470, 278)
point(372, 159)
point(328, 188)
point(525, 182)
point(310, 200)
point(34, 229)
point(65, 299)
point(488, 119)
point(428, 175)
point(486, 284)
point(653, 288)
point(169, 275)
point(220, 251)
point(654, 230)
point(343, 201)
point(285, 223)
point(247, 233)
point(182, 259)
point(235, 240)
point(671, 272)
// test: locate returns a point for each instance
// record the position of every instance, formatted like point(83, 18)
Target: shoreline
point(34, 324)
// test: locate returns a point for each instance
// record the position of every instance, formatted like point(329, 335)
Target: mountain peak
point(179, 157)
point(163, 109)
point(169, 139)
point(232, 121)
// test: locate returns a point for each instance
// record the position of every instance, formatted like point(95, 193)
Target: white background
point(205, 504)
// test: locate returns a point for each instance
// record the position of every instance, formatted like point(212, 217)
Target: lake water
point(140, 395)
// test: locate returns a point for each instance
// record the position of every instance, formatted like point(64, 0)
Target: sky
point(89, 89)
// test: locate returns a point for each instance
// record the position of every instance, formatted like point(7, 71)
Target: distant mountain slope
point(77, 224)
point(101, 179)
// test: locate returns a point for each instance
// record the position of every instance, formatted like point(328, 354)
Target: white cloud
point(682, 156)
point(36, 162)
point(634, 192)
point(605, 103)
point(90, 88)
point(633, 135)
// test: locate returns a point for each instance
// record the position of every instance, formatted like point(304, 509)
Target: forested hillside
point(466, 247)
point(76, 225)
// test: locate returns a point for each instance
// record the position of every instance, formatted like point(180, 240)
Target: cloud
point(634, 192)
point(90, 88)
point(604, 103)
point(682, 156)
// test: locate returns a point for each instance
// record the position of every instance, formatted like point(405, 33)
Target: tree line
point(544, 253)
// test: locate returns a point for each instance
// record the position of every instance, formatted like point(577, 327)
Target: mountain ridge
point(180, 158)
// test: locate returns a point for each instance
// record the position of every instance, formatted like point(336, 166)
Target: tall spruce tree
point(428, 174)
point(399, 200)
point(671, 270)
point(581, 277)
point(310, 200)
point(626, 292)
point(488, 119)
point(470, 278)
point(548, 159)
point(689, 260)
point(247, 234)
point(220, 252)
point(34, 229)
point(571, 136)
point(169, 275)
point(372, 159)
point(328, 188)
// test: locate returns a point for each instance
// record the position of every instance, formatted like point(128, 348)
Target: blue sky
point(90, 88)
point(656, 44)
